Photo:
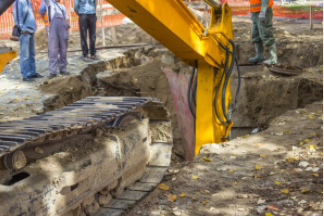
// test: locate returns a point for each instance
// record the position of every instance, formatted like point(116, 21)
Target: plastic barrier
point(298, 11)
point(111, 17)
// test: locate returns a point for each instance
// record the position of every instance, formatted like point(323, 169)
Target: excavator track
point(97, 156)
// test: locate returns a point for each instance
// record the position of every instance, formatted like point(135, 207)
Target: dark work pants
point(88, 22)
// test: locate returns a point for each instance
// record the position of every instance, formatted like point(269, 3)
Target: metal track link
point(77, 118)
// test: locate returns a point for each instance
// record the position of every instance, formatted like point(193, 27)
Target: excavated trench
point(146, 72)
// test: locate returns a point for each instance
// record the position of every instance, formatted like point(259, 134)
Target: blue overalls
point(58, 41)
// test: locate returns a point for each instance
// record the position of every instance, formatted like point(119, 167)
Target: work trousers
point(263, 32)
point(27, 55)
point(58, 44)
point(87, 22)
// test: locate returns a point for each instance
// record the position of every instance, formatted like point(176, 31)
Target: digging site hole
point(146, 72)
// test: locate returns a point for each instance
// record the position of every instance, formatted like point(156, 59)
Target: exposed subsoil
point(276, 171)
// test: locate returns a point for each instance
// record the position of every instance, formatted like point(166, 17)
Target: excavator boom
point(210, 50)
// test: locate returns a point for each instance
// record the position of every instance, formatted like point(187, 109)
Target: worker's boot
point(259, 53)
point(273, 60)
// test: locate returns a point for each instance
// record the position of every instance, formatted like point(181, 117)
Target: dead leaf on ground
point(203, 202)
point(194, 177)
point(258, 166)
point(163, 186)
point(305, 191)
point(182, 195)
point(273, 207)
point(206, 159)
point(285, 191)
point(277, 182)
point(311, 117)
point(268, 214)
point(263, 155)
point(260, 144)
point(172, 197)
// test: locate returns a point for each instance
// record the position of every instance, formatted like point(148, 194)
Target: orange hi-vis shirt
point(46, 19)
point(255, 5)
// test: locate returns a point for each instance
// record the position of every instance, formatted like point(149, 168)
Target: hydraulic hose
point(189, 97)
point(220, 83)
point(238, 83)
point(228, 75)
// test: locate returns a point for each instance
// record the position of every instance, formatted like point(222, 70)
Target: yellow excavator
point(101, 155)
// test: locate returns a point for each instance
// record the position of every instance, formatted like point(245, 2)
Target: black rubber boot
point(259, 53)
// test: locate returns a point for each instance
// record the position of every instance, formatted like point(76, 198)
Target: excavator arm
point(209, 50)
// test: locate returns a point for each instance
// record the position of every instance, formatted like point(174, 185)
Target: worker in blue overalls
point(58, 37)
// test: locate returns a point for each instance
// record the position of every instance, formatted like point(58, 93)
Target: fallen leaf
point(235, 183)
point(273, 207)
point(268, 214)
point(305, 191)
point(285, 191)
point(182, 195)
point(171, 197)
point(206, 159)
point(36, 99)
point(319, 191)
point(232, 170)
point(307, 140)
point(260, 144)
point(245, 136)
point(258, 166)
point(258, 176)
point(203, 202)
point(263, 155)
point(315, 175)
point(277, 182)
point(163, 186)
point(311, 117)
point(301, 143)
point(287, 131)
point(194, 177)
point(312, 148)
point(282, 170)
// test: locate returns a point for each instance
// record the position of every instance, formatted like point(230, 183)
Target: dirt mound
point(67, 90)
point(41, 39)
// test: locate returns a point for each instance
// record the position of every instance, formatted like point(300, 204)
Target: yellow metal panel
point(172, 23)
point(5, 58)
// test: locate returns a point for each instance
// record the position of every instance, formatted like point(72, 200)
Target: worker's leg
point(24, 40)
point(92, 23)
point(256, 39)
point(83, 24)
point(53, 47)
point(63, 42)
point(266, 32)
point(32, 53)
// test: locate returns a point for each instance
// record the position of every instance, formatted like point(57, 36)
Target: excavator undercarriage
point(98, 156)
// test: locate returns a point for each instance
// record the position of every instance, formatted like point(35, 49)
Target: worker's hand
point(262, 16)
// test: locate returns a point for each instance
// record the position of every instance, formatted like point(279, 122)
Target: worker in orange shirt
point(262, 31)
point(43, 12)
